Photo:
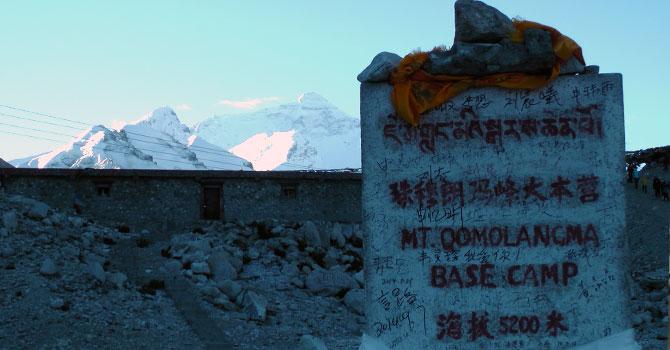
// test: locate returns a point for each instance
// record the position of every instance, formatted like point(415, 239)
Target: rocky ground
point(71, 284)
point(57, 290)
point(648, 227)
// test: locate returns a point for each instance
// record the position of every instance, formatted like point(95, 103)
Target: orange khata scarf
point(415, 91)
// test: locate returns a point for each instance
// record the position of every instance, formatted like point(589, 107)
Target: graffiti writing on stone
point(475, 325)
point(429, 193)
point(523, 236)
point(434, 136)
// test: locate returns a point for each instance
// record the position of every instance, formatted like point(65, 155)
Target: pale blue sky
point(98, 61)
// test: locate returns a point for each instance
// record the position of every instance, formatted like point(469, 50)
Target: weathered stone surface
point(48, 268)
point(380, 68)
point(535, 55)
point(460, 169)
point(329, 282)
point(477, 22)
point(310, 342)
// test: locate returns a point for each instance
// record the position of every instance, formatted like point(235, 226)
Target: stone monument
point(497, 222)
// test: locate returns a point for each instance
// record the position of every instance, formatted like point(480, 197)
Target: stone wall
point(170, 201)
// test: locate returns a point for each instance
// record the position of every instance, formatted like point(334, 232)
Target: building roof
point(196, 174)
point(4, 164)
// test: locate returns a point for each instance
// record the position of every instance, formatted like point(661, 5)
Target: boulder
point(211, 291)
point(173, 265)
point(230, 288)
point(38, 210)
point(220, 266)
point(310, 233)
point(48, 268)
point(118, 279)
point(329, 282)
point(355, 299)
point(310, 342)
point(193, 257)
point(224, 303)
point(200, 268)
point(298, 282)
point(360, 278)
point(57, 303)
point(654, 280)
point(6, 251)
point(477, 22)
point(255, 306)
point(337, 235)
point(95, 270)
point(380, 68)
point(332, 256)
point(10, 221)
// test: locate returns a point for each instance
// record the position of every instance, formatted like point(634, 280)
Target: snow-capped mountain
point(156, 141)
point(309, 134)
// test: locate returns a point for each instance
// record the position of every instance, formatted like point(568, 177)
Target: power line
point(216, 151)
point(31, 136)
point(129, 132)
point(44, 115)
point(38, 121)
point(82, 123)
point(113, 151)
point(139, 148)
point(39, 130)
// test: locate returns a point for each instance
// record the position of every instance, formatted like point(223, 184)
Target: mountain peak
point(163, 113)
point(165, 120)
point(312, 99)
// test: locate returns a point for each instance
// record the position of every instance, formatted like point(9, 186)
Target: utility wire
point(44, 115)
point(139, 148)
point(113, 151)
point(31, 136)
point(38, 121)
point(39, 130)
point(217, 151)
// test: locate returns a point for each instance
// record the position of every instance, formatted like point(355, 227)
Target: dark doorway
point(211, 202)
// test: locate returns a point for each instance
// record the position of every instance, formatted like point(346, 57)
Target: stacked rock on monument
point(482, 46)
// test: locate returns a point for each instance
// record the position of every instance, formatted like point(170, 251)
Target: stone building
point(172, 200)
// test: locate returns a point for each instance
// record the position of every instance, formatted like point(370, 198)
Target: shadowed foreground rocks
point(67, 283)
